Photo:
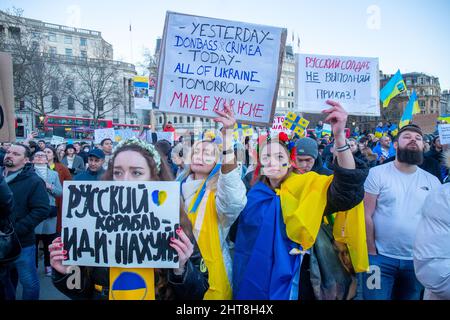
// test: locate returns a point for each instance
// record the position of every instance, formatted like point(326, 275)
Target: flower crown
point(144, 145)
point(283, 138)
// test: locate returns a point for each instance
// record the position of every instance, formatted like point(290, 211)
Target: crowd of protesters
point(258, 214)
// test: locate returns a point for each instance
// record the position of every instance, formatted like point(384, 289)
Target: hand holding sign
point(57, 255)
point(226, 117)
point(337, 117)
point(184, 248)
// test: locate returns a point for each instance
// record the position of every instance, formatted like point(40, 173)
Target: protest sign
point(351, 81)
point(277, 125)
point(7, 120)
point(296, 123)
point(120, 224)
point(56, 140)
point(123, 134)
point(444, 133)
point(141, 93)
point(161, 135)
point(207, 62)
point(326, 129)
point(101, 134)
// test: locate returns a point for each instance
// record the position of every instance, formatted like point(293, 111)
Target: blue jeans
point(25, 271)
point(394, 279)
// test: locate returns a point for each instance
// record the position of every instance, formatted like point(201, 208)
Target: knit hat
point(410, 127)
point(307, 147)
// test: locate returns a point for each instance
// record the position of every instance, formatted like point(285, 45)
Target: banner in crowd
point(143, 98)
point(351, 81)
point(7, 119)
point(207, 62)
point(57, 140)
point(120, 224)
point(123, 134)
point(444, 133)
point(100, 134)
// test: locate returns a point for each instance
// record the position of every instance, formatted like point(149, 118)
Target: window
point(83, 53)
point(160, 120)
point(54, 85)
point(70, 84)
point(86, 104)
point(52, 50)
point(175, 119)
point(68, 52)
point(188, 119)
point(21, 104)
point(181, 119)
point(55, 103)
point(52, 37)
point(14, 33)
point(70, 103)
point(67, 39)
point(83, 42)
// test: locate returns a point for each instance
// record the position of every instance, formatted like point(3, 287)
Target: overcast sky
point(410, 35)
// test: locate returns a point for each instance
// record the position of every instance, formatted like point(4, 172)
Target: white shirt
point(398, 209)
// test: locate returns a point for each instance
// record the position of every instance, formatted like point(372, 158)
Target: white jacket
point(432, 245)
point(230, 201)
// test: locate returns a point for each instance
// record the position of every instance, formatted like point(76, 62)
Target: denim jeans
point(394, 279)
point(24, 270)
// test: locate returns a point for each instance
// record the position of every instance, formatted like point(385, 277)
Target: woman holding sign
point(214, 196)
point(135, 160)
point(283, 216)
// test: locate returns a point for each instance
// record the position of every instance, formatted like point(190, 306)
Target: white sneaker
point(48, 271)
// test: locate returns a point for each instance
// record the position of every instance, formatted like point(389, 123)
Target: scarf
point(265, 264)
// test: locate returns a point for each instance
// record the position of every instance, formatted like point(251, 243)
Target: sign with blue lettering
point(120, 224)
point(351, 81)
point(207, 62)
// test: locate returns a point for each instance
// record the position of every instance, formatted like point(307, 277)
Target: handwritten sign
point(120, 224)
point(277, 125)
point(326, 129)
point(7, 121)
point(123, 134)
point(207, 62)
point(101, 134)
point(444, 133)
point(352, 81)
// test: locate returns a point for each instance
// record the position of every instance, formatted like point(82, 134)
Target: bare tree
point(95, 84)
point(38, 77)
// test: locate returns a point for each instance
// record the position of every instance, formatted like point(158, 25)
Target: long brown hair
point(163, 291)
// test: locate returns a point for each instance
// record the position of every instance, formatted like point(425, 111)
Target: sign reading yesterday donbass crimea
point(351, 81)
point(120, 224)
point(207, 62)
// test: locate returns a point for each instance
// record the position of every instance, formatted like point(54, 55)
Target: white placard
point(120, 224)
point(207, 62)
point(444, 133)
point(277, 125)
point(57, 140)
point(101, 134)
point(352, 81)
point(169, 136)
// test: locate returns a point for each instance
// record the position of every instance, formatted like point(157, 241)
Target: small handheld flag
point(295, 123)
point(393, 87)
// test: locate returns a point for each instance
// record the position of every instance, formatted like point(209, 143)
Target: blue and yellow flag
point(394, 130)
point(410, 109)
point(393, 87)
point(131, 284)
point(445, 117)
point(242, 130)
point(140, 82)
point(295, 123)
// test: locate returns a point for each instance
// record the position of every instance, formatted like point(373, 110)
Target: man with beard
point(395, 193)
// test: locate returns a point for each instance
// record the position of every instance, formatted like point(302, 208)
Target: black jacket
point(192, 285)
point(6, 199)
point(347, 188)
point(319, 168)
point(31, 204)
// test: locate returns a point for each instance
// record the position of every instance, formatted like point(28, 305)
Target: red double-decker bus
point(73, 127)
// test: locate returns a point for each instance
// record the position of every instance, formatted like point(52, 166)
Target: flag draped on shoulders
point(276, 224)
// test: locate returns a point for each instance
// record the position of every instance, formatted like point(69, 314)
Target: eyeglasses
point(40, 156)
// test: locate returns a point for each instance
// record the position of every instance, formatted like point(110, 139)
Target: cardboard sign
point(444, 133)
point(277, 125)
point(142, 94)
point(101, 134)
point(351, 81)
point(7, 120)
point(207, 62)
point(120, 224)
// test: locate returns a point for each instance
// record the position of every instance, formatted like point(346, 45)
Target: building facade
point(72, 50)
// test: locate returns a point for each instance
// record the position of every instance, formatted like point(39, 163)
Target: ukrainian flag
point(410, 109)
point(445, 117)
point(131, 284)
point(242, 130)
point(393, 87)
point(394, 130)
point(140, 82)
point(295, 123)
point(379, 132)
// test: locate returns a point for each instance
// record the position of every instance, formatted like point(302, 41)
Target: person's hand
point(337, 117)
point(57, 255)
point(226, 117)
point(382, 158)
point(184, 248)
point(49, 186)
